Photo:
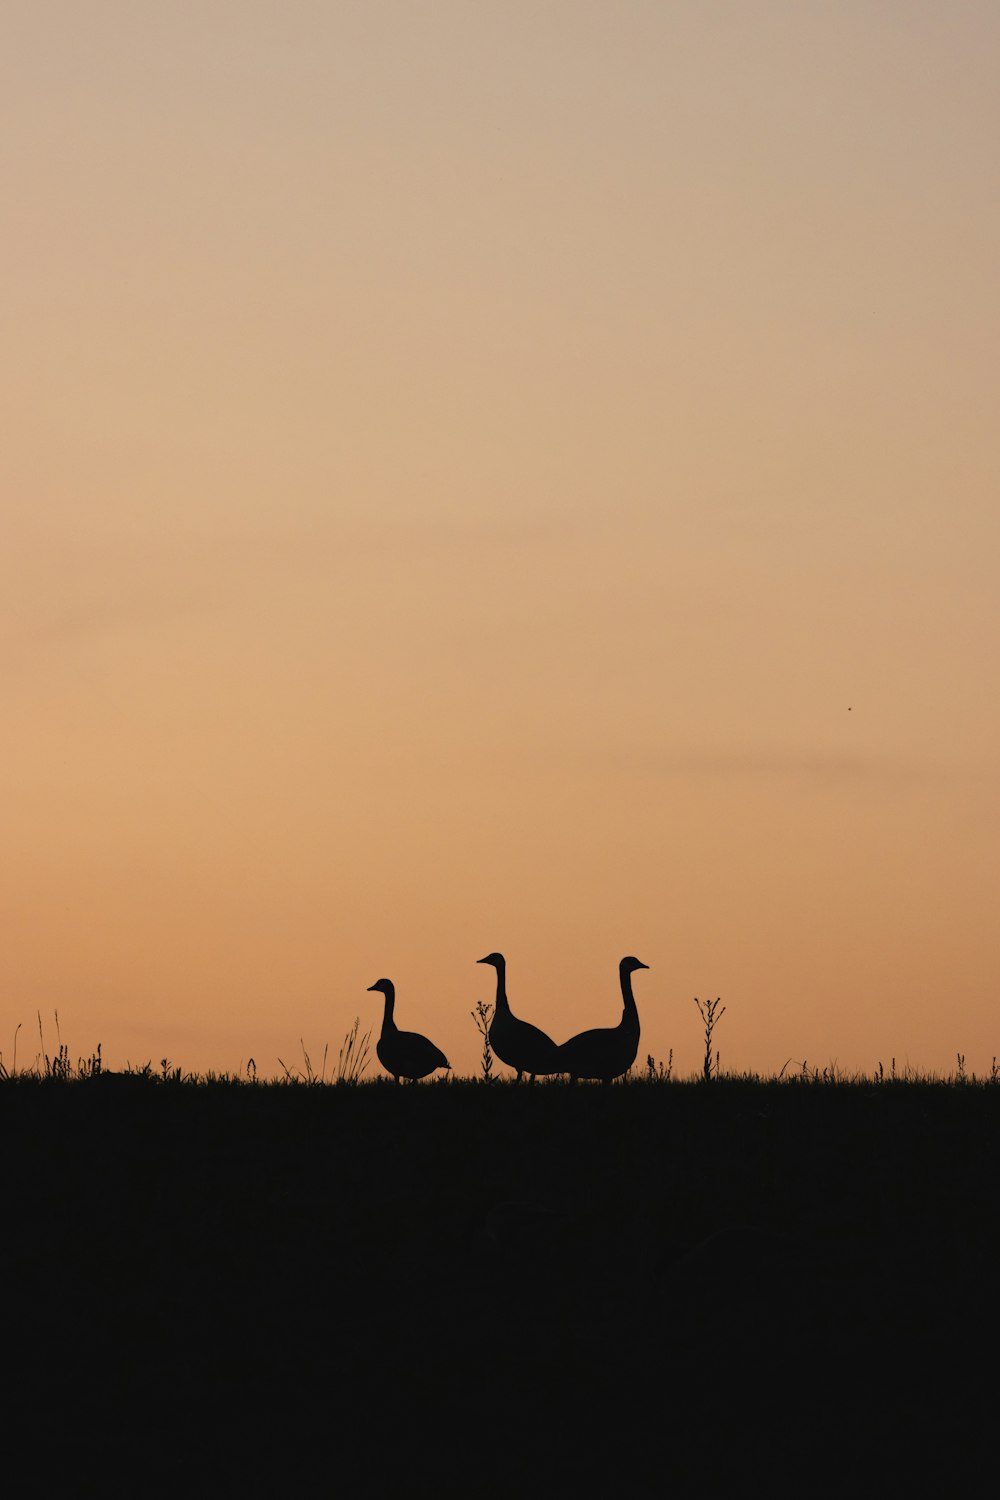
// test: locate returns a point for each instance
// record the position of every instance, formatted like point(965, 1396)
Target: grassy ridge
point(671, 1283)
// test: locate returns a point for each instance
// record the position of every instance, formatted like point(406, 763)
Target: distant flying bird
point(520, 1045)
point(606, 1052)
point(404, 1054)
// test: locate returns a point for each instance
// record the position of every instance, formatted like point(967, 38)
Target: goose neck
point(502, 987)
point(628, 999)
point(388, 1024)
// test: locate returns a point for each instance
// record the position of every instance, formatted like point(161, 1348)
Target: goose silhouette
point(404, 1054)
point(520, 1045)
point(607, 1051)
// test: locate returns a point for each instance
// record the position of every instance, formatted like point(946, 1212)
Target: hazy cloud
point(814, 767)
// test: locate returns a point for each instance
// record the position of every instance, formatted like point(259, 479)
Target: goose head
point(629, 965)
point(496, 959)
point(386, 986)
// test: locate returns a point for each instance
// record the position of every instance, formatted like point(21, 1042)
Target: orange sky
point(513, 476)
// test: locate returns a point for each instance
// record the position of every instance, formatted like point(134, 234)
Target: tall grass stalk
point(353, 1057)
point(483, 1015)
point(711, 1015)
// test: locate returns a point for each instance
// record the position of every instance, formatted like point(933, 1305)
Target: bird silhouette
point(404, 1054)
point(520, 1045)
point(606, 1052)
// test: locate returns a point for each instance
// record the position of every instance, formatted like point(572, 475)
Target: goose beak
point(641, 966)
point(372, 987)
point(482, 960)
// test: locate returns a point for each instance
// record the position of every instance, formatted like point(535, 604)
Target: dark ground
point(497, 1290)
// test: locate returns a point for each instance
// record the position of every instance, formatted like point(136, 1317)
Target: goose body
point(523, 1047)
point(608, 1051)
point(404, 1054)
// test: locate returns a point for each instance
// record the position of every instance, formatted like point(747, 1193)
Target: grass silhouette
point(697, 1284)
point(678, 1286)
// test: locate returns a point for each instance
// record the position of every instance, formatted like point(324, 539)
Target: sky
point(511, 476)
